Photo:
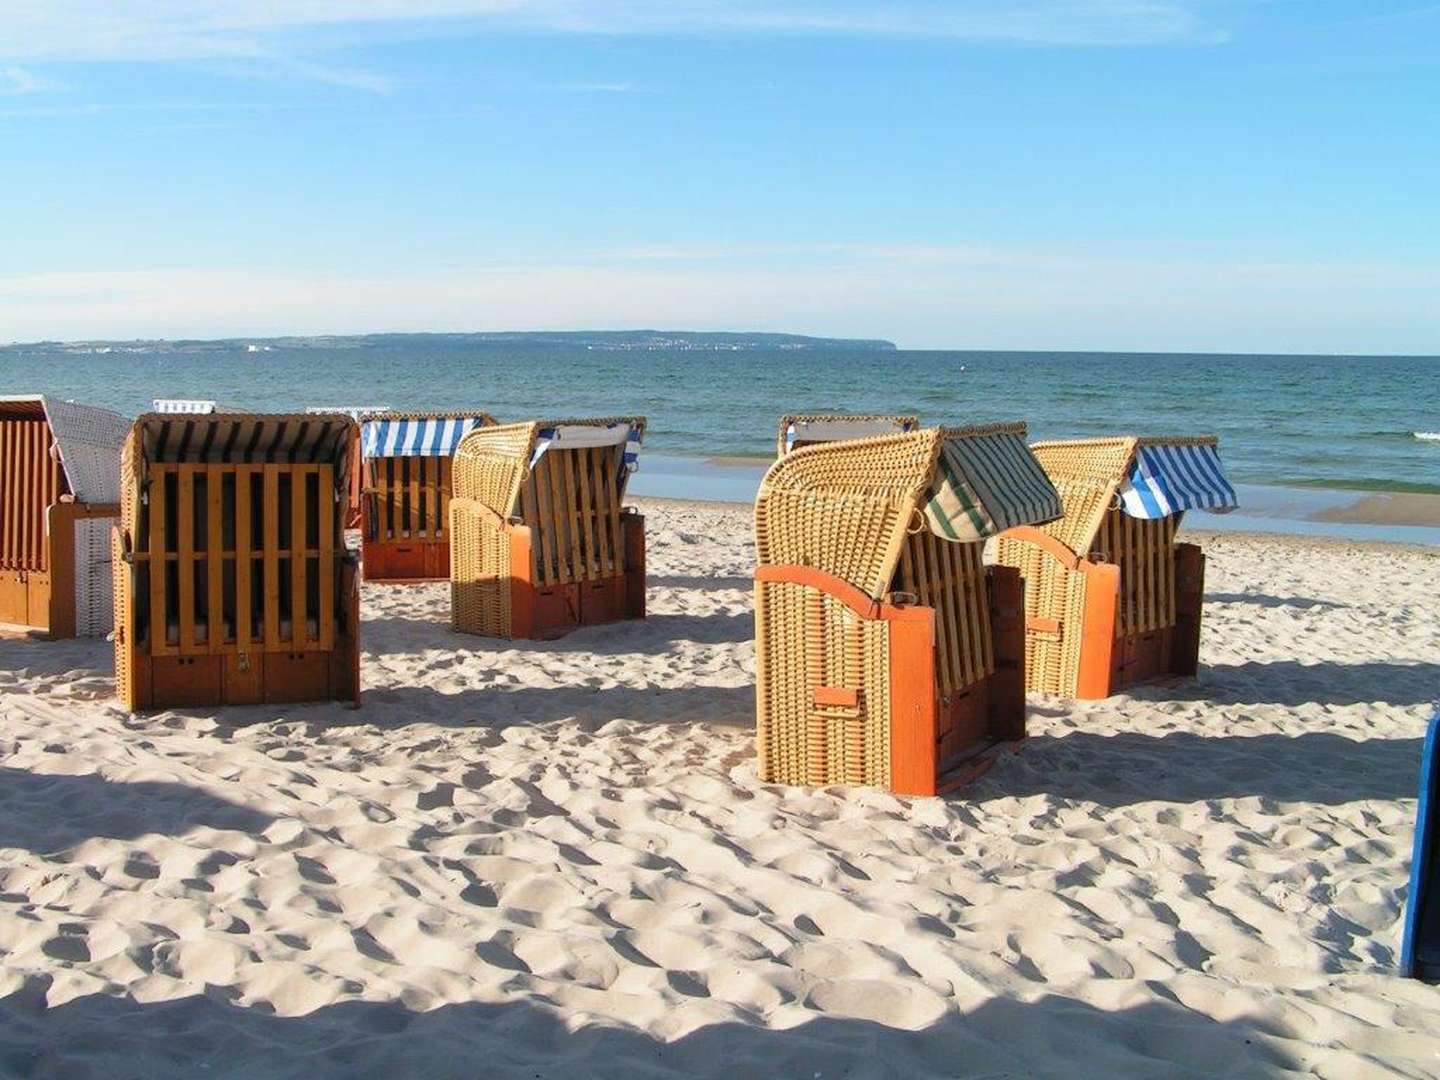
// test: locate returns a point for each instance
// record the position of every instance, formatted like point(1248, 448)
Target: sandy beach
point(555, 859)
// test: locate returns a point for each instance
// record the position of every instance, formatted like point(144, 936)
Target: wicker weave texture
point(1088, 474)
point(1052, 592)
point(570, 501)
point(124, 630)
point(845, 508)
point(851, 509)
point(94, 577)
point(479, 571)
point(807, 640)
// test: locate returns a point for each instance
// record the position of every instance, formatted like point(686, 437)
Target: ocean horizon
point(1354, 424)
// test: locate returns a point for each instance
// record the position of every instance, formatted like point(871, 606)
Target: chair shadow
point(400, 634)
point(500, 707)
point(1291, 682)
point(206, 1034)
point(1129, 768)
point(74, 657)
point(1264, 600)
point(45, 813)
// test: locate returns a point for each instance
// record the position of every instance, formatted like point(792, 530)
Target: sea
point(1297, 433)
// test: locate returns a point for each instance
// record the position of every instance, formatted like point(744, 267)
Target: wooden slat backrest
point(409, 497)
point(571, 501)
point(1145, 552)
point(30, 482)
point(951, 579)
point(204, 564)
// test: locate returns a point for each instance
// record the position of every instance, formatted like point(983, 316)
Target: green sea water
point(1298, 421)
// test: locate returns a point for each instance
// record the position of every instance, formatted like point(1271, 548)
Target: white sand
point(555, 859)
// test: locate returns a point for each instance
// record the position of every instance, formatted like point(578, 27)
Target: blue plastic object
point(1420, 947)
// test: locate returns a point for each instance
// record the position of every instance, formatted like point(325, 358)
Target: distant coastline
point(1317, 434)
point(603, 340)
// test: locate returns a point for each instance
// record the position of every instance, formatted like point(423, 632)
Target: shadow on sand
point(74, 657)
point(502, 707)
point(206, 1035)
point(398, 634)
point(46, 813)
point(1124, 769)
point(1266, 601)
point(1290, 682)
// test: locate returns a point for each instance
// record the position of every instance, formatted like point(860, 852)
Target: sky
point(1157, 175)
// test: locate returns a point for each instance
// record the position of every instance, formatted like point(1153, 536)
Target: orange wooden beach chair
point(886, 652)
point(541, 541)
point(232, 582)
point(354, 500)
point(810, 429)
point(59, 497)
point(406, 465)
point(1111, 598)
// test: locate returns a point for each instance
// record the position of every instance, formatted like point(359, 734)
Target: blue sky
point(1101, 174)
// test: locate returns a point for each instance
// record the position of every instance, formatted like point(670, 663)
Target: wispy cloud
point(16, 80)
point(601, 88)
point(174, 29)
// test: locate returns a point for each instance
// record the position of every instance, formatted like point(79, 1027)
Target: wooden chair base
point(405, 562)
point(45, 602)
point(1110, 663)
point(177, 682)
point(543, 612)
point(25, 599)
point(972, 727)
point(936, 745)
point(547, 612)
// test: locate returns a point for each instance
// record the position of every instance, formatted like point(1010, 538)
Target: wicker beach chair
point(232, 582)
point(1111, 598)
point(887, 654)
point(59, 497)
point(810, 429)
point(406, 465)
point(541, 542)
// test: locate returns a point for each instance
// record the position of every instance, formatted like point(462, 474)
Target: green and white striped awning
point(987, 481)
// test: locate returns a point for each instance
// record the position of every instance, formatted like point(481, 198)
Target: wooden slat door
point(208, 549)
point(29, 483)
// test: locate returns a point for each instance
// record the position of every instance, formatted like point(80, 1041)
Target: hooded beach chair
point(59, 497)
point(354, 510)
point(887, 654)
point(811, 429)
point(1111, 598)
point(232, 582)
point(541, 541)
point(405, 460)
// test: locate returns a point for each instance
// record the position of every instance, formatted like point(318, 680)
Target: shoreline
point(1344, 514)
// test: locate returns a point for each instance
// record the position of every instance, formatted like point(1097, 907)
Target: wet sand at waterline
point(555, 859)
point(1388, 508)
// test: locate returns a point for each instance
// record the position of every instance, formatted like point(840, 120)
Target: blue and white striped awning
point(415, 438)
point(579, 436)
point(1167, 478)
